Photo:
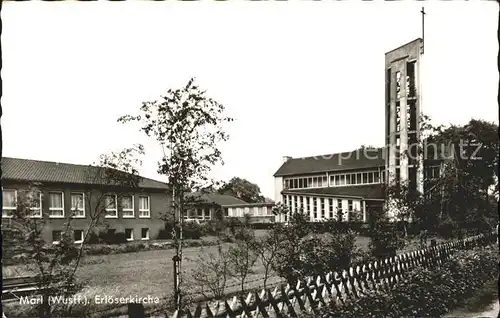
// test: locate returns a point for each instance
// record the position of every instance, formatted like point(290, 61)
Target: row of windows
point(300, 203)
point(57, 209)
point(431, 172)
point(78, 235)
point(254, 211)
point(198, 213)
point(335, 180)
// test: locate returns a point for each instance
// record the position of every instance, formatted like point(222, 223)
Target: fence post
point(136, 310)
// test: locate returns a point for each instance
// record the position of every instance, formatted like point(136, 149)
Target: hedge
point(426, 292)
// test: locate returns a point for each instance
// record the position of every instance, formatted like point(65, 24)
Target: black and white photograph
point(192, 159)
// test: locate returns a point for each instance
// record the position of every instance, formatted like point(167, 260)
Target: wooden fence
point(334, 288)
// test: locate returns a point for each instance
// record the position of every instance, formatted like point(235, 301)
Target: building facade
point(342, 186)
point(214, 206)
point(257, 212)
point(63, 192)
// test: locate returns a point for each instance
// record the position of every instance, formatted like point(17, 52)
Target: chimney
point(286, 158)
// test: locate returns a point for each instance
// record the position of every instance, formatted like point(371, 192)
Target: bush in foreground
point(427, 292)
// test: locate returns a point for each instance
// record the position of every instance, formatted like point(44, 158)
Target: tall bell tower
point(402, 113)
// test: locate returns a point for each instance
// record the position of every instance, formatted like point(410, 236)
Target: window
point(35, 200)
point(358, 178)
point(322, 202)
point(56, 204)
point(342, 180)
point(308, 207)
point(77, 205)
point(144, 234)
point(110, 206)
point(128, 206)
point(295, 204)
point(226, 212)
point(376, 177)
point(315, 182)
point(295, 184)
point(320, 182)
point(78, 236)
point(398, 85)
point(207, 213)
point(337, 180)
point(129, 234)
point(306, 182)
point(287, 184)
point(56, 237)
point(339, 204)
point(349, 205)
point(365, 177)
point(199, 213)
point(144, 207)
point(348, 179)
point(370, 177)
point(315, 208)
point(332, 181)
point(301, 204)
point(300, 183)
point(325, 181)
point(9, 202)
point(330, 207)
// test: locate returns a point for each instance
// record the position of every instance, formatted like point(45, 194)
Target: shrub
point(425, 292)
point(385, 240)
point(192, 230)
point(447, 228)
point(119, 238)
point(212, 227)
point(93, 238)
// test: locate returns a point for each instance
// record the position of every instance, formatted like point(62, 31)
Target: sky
point(299, 78)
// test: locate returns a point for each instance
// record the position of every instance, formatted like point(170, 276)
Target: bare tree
point(267, 249)
point(242, 257)
point(188, 126)
point(212, 272)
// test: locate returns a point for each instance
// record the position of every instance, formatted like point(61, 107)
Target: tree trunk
point(44, 310)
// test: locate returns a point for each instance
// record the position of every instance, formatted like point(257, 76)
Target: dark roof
point(45, 171)
point(250, 204)
point(366, 192)
point(357, 159)
point(215, 198)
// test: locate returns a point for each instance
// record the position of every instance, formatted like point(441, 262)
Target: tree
point(55, 265)
point(385, 239)
point(242, 257)
point(242, 189)
point(470, 178)
point(212, 272)
point(302, 252)
point(188, 125)
point(266, 249)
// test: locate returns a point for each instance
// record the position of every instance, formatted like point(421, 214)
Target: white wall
point(278, 187)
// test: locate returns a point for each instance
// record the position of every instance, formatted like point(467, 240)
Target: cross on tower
point(423, 28)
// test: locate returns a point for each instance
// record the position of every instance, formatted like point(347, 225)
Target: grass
point(146, 273)
point(484, 297)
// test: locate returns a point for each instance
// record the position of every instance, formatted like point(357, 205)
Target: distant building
point(214, 206)
point(64, 193)
point(323, 185)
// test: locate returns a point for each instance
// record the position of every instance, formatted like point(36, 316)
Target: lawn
point(147, 273)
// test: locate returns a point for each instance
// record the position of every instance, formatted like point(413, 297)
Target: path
point(491, 311)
